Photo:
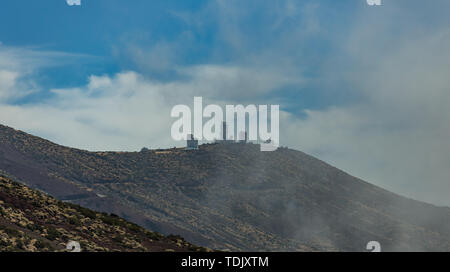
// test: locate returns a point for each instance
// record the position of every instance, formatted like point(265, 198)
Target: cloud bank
point(383, 82)
point(73, 2)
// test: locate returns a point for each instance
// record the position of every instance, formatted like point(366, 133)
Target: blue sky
point(363, 88)
point(94, 29)
point(100, 34)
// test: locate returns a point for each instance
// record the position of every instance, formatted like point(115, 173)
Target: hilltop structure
point(243, 137)
point(192, 143)
point(225, 139)
point(281, 187)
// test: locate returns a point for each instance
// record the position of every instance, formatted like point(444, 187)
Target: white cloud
point(73, 2)
point(236, 83)
point(120, 113)
point(18, 67)
point(128, 111)
point(394, 135)
point(7, 83)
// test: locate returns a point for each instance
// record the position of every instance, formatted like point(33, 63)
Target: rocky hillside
point(33, 221)
point(230, 197)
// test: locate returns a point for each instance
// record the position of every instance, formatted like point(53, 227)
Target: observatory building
point(224, 139)
point(243, 136)
point(192, 144)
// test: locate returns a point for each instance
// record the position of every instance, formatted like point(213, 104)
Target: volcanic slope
point(230, 196)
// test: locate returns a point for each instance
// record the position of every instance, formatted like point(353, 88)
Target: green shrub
point(34, 227)
point(83, 211)
point(52, 233)
point(134, 228)
point(113, 221)
point(43, 245)
point(74, 221)
point(153, 235)
point(11, 232)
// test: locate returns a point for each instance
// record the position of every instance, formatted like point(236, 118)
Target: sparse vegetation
point(32, 221)
point(52, 233)
point(227, 197)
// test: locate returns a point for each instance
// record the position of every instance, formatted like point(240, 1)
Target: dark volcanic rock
point(33, 221)
point(231, 196)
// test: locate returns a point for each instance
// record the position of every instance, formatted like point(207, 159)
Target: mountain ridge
point(35, 222)
point(230, 197)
